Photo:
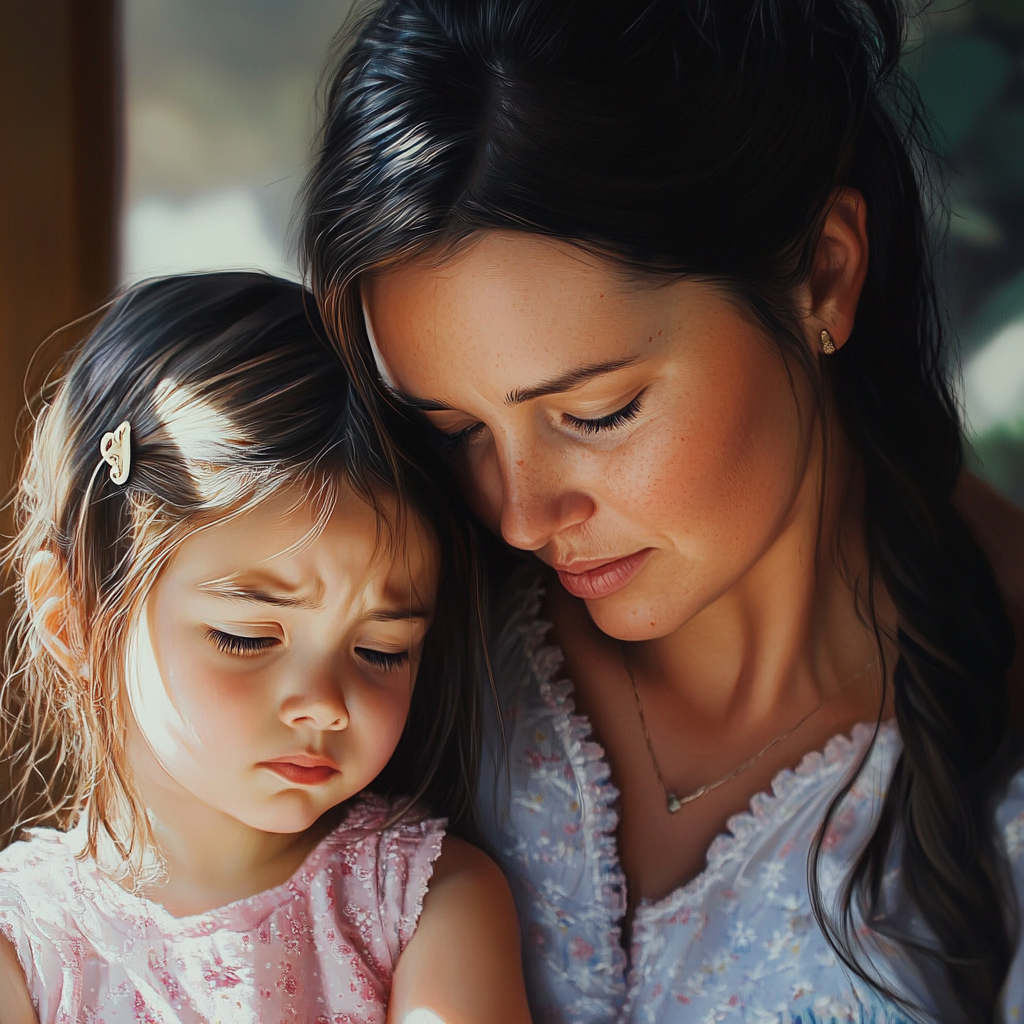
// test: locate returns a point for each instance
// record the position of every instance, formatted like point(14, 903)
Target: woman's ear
point(828, 298)
point(51, 605)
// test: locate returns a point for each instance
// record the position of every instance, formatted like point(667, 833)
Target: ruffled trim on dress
point(418, 845)
point(600, 821)
point(363, 820)
point(587, 758)
point(767, 807)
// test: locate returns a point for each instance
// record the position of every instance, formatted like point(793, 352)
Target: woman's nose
point(319, 703)
point(538, 501)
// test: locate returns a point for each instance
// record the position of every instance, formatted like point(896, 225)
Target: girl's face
point(644, 440)
point(270, 675)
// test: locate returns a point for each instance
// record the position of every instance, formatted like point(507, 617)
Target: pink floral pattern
point(737, 944)
point(319, 949)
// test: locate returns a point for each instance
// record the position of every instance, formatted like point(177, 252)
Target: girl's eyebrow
point(397, 614)
point(421, 404)
point(258, 595)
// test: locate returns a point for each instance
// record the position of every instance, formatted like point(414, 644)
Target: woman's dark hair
point(233, 395)
point(708, 137)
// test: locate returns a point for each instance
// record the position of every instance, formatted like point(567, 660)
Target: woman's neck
point(792, 632)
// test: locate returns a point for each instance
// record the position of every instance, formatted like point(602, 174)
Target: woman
point(656, 273)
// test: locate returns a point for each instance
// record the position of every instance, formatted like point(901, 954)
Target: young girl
point(221, 647)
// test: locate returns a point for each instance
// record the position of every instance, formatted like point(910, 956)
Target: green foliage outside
point(967, 60)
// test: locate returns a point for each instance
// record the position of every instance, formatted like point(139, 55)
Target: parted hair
point(707, 137)
point(232, 395)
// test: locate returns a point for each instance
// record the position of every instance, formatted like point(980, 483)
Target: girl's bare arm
point(463, 965)
point(15, 1002)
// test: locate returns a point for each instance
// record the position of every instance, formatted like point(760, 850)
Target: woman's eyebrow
point(563, 382)
point(566, 381)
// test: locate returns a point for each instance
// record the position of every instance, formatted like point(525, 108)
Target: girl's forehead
point(293, 546)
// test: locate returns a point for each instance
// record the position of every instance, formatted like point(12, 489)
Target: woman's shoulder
point(998, 526)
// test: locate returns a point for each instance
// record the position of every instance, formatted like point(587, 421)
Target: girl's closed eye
point(383, 661)
point(241, 646)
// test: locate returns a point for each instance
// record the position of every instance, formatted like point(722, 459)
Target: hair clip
point(116, 450)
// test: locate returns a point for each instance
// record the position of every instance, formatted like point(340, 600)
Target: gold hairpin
point(116, 450)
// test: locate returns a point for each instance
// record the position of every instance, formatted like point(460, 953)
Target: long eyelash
point(446, 444)
point(613, 419)
point(241, 646)
point(384, 660)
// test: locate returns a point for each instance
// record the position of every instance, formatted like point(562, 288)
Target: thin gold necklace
point(675, 803)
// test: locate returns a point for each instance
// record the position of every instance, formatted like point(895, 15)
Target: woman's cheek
point(479, 475)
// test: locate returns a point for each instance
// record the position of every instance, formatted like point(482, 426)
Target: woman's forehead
point(521, 309)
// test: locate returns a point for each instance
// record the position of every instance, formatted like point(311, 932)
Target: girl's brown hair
point(231, 395)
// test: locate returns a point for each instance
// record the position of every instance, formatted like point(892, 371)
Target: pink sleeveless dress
point(319, 949)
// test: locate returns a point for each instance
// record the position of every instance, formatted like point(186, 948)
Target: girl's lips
point(302, 769)
point(603, 579)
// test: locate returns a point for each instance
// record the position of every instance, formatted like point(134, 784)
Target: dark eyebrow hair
point(420, 404)
point(566, 381)
point(396, 615)
point(258, 595)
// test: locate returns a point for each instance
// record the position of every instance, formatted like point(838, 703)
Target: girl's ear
point(828, 298)
point(51, 605)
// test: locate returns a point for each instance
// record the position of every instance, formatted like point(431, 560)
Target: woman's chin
point(630, 618)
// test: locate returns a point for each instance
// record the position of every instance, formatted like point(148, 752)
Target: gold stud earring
point(828, 346)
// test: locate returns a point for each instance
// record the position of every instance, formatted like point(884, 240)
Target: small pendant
point(673, 803)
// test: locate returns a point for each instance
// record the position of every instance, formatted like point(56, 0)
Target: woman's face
point(645, 440)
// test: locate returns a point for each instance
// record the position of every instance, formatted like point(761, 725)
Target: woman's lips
point(604, 578)
point(302, 769)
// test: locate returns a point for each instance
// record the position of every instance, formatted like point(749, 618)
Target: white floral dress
point(739, 943)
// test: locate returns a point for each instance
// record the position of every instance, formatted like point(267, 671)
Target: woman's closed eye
point(383, 661)
point(241, 646)
point(614, 419)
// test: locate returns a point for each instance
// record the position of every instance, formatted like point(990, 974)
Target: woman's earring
point(828, 346)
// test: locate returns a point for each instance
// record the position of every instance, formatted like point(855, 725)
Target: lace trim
point(424, 859)
point(599, 817)
point(363, 819)
point(767, 806)
point(588, 760)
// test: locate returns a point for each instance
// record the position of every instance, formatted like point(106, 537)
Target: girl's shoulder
point(382, 853)
point(39, 871)
point(42, 900)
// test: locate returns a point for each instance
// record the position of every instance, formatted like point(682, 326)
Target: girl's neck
point(209, 858)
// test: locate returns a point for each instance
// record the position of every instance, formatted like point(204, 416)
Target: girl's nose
point(320, 705)
point(537, 501)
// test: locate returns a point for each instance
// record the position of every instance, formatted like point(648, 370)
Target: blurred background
point(177, 133)
point(219, 110)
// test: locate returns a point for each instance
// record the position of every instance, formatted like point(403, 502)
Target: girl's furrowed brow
point(420, 404)
point(397, 615)
point(279, 598)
